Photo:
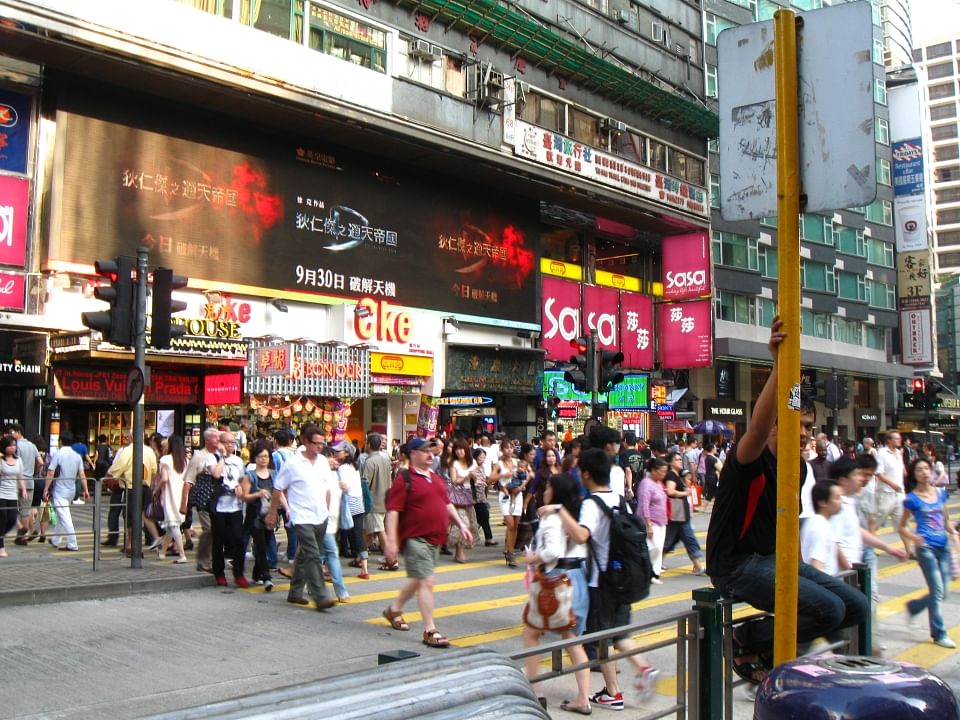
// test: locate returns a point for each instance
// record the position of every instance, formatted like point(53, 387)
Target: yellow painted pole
point(788, 360)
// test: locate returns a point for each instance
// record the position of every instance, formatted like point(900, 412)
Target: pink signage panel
point(560, 317)
point(686, 266)
point(13, 292)
point(636, 330)
point(686, 334)
point(14, 210)
point(601, 310)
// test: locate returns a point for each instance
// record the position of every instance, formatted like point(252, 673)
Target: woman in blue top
point(931, 544)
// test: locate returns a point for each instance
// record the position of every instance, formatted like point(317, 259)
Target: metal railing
point(686, 639)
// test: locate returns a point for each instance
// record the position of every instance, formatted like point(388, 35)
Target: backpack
point(629, 570)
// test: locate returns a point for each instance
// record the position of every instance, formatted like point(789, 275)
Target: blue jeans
point(292, 542)
point(935, 564)
point(331, 557)
point(683, 532)
point(271, 549)
point(824, 605)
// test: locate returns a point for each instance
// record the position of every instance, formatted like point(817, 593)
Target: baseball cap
point(345, 446)
point(418, 443)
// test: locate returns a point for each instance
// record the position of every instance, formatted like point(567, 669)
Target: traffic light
point(932, 396)
point(610, 375)
point(843, 396)
point(826, 391)
point(919, 398)
point(553, 407)
point(116, 324)
point(162, 330)
point(584, 375)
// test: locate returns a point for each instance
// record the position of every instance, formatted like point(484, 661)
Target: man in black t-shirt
point(741, 539)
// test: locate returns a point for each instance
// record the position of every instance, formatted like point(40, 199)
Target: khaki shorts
point(420, 558)
point(373, 522)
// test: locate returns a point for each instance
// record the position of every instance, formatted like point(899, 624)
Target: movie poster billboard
point(285, 214)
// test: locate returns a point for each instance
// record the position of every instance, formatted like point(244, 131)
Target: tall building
point(848, 275)
point(896, 24)
point(376, 203)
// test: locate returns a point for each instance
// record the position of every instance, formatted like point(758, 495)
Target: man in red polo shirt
point(418, 515)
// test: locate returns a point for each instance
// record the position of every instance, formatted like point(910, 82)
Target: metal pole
point(788, 360)
point(135, 502)
point(592, 349)
point(97, 507)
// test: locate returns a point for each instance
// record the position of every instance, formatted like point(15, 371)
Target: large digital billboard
point(268, 213)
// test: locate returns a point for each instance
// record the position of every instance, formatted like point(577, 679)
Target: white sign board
point(916, 341)
point(836, 81)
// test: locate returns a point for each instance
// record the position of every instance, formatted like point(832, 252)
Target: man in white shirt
point(608, 440)
point(204, 459)
point(889, 492)
point(305, 477)
point(60, 491)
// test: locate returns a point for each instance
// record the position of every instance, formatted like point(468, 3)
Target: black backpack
point(629, 570)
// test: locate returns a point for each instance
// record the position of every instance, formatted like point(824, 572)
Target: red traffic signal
point(579, 345)
point(918, 385)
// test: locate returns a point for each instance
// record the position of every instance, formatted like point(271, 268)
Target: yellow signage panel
point(562, 269)
point(618, 281)
point(397, 364)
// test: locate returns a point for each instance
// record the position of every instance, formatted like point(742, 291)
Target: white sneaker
point(645, 681)
point(656, 581)
point(945, 642)
point(78, 501)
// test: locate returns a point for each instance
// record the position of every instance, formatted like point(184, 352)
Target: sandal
point(395, 618)
point(752, 665)
point(570, 707)
point(387, 566)
point(433, 638)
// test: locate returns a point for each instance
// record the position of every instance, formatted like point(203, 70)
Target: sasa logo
point(688, 279)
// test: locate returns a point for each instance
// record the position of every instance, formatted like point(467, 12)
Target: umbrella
point(711, 427)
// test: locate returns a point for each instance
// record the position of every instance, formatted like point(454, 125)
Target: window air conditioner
point(623, 17)
point(423, 50)
point(485, 86)
point(609, 125)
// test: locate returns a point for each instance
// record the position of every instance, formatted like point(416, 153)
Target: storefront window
point(562, 244)
point(345, 38)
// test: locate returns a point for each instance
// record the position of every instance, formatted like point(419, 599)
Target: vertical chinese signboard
point(685, 331)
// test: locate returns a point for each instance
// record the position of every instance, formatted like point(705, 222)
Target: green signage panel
point(632, 393)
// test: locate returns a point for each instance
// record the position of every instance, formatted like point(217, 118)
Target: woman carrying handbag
point(559, 599)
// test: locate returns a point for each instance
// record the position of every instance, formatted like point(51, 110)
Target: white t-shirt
point(333, 519)
point(306, 485)
point(845, 526)
point(233, 472)
point(618, 480)
point(806, 494)
point(891, 465)
point(595, 520)
point(817, 543)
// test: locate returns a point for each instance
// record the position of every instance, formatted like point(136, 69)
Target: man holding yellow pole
point(741, 540)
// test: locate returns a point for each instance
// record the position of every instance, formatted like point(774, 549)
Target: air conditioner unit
point(623, 17)
point(423, 50)
point(609, 125)
point(485, 86)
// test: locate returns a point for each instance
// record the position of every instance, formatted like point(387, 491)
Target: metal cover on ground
point(836, 81)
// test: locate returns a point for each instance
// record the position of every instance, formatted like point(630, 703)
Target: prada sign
point(729, 410)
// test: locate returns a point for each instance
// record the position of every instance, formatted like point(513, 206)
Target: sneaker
point(645, 680)
point(78, 501)
point(612, 702)
point(241, 582)
point(945, 642)
point(268, 585)
point(221, 580)
point(656, 581)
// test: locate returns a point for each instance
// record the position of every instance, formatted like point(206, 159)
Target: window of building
point(939, 50)
point(878, 51)
point(711, 80)
point(873, 337)
point(769, 221)
point(948, 195)
point(735, 308)
point(943, 112)
point(766, 10)
point(454, 76)
point(940, 70)
point(713, 145)
point(422, 68)
point(585, 127)
point(343, 37)
point(714, 191)
point(883, 171)
point(562, 244)
point(223, 8)
point(948, 217)
point(657, 155)
point(767, 260)
point(948, 259)
point(715, 25)
point(271, 16)
point(693, 48)
point(734, 250)
point(815, 324)
point(948, 238)
point(882, 131)
point(849, 241)
point(944, 132)
point(946, 174)
point(946, 152)
point(880, 212)
point(943, 90)
point(807, 4)
point(817, 276)
point(545, 112)
point(631, 146)
point(879, 252)
point(815, 228)
point(875, 12)
point(847, 331)
point(851, 286)
point(880, 91)
point(686, 167)
point(766, 310)
point(881, 295)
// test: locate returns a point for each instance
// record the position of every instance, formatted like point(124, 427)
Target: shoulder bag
point(550, 602)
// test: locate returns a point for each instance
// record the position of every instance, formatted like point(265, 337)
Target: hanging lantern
point(297, 405)
point(309, 406)
point(275, 414)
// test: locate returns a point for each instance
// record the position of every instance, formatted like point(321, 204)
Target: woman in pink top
point(652, 509)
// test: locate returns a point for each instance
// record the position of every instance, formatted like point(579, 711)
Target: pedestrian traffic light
point(162, 329)
point(553, 407)
point(610, 375)
point(919, 399)
point(584, 376)
point(932, 396)
point(843, 396)
point(115, 324)
point(826, 391)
